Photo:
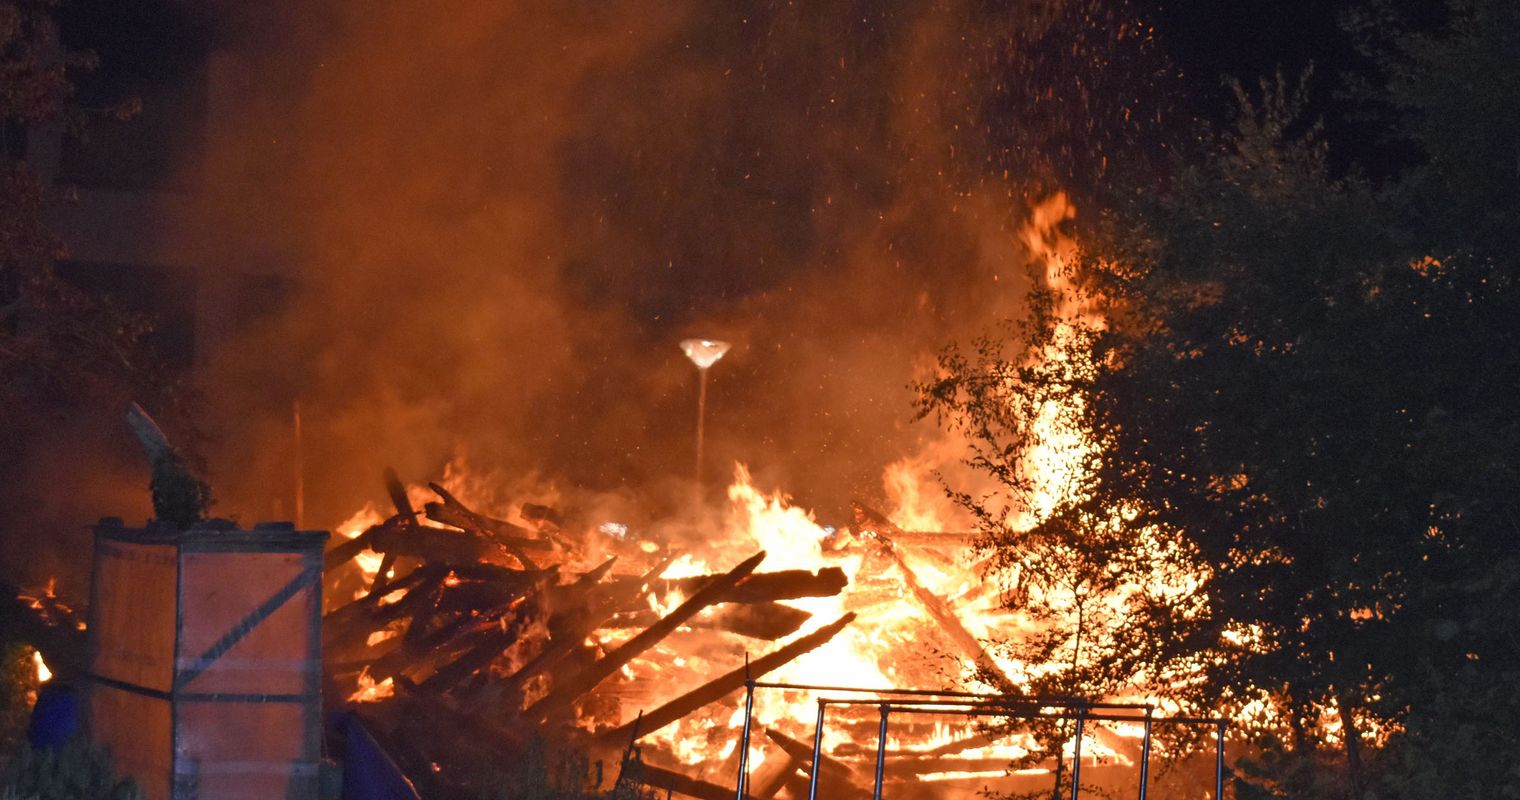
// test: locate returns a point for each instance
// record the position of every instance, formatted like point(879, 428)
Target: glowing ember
point(43, 673)
point(370, 691)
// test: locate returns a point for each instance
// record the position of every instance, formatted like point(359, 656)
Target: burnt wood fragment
point(572, 630)
point(764, 587)
point(949, 623)
point(671, 781)
point(564, 693)
point(767, 621)
point(721, 686)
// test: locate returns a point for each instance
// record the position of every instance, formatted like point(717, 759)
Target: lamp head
point(704, 352)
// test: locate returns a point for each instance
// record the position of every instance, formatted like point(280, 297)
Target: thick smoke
point(501, 217)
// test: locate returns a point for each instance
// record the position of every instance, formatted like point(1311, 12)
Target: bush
point(76, 771)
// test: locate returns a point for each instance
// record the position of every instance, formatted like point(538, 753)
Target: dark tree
point(1300, 394)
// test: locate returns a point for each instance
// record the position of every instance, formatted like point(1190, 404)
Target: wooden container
point(206, 660)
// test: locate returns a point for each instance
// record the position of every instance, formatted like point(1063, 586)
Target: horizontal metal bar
point(1053, 700)
point(984, 711)
point(841, 701)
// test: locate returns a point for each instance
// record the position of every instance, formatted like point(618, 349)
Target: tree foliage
point(73, 771)
point(1300, 394)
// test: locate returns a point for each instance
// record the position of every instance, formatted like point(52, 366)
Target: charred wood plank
point(563, 639)
point(396, 662)
point(496, 573)
point(515, 539)
point(723, 685)
point(835, 780)
point(949, 623)
point(869, 519)
point(464, 519)
point(349, 627)
point(768, 621)
point(563, 694)
point(345, 550)
point(764, 587)
point(465, 597)
point(408, 520)
point(773, 775)
point(671, 781)
point(925, 544)
point(493, 644)
point(397, 492)
point(830, 766)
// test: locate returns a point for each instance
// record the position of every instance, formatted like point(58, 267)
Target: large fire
point(893, 641)
point(923, 611)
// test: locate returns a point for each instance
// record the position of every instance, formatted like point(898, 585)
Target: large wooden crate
point(206, 659)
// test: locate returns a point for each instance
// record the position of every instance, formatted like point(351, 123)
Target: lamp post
point(704, 353)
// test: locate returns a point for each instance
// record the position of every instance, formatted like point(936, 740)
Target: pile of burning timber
point(479, 635)
point(482, 643)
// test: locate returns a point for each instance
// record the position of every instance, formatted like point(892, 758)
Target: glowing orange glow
point(43, 673)
point(905, 595)
point(369, 691)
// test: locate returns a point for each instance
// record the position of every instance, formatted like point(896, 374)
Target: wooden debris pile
point(479, 634)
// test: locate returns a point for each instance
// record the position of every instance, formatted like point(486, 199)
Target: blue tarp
point(55, 718)
point(368, 772)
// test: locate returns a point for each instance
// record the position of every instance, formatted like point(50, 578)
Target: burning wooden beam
point(567, 632)
point(764, 587)
point(350, 626)
point(515, 539)
point(768, 621)
point(437, 544)
point(950, 624)
point(830, 766)
point(564, 693)
point(493, 643)
point(835, 778)
point(407, 519)
point(721, 686)
point(773, 775)
point(671, 781)
point(499, 637)
point(869, 519)
point(345, 551)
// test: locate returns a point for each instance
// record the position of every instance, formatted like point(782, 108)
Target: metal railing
point(972, 704)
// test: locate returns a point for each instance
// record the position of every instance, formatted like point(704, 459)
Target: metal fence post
point(1219, 765)
point(881, 753)
point(1076, 754)
point(749, 708)
point(817, 752)
point(1145, 754)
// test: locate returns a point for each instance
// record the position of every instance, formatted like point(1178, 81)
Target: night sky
point(141, 44)
point(1253, 39)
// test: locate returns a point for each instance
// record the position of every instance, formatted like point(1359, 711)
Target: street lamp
point(704, 353)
